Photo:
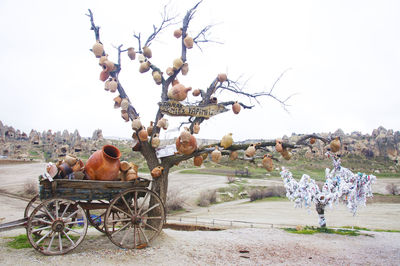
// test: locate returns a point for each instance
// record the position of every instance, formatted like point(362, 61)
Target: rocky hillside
point(48, 145)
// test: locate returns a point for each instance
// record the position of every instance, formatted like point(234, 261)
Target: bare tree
point(171, 96)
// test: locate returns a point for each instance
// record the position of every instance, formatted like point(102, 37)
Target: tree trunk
point(321, 214)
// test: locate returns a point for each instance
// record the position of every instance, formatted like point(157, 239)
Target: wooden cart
point(129, 213)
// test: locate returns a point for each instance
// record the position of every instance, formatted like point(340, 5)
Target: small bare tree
point(172, 95)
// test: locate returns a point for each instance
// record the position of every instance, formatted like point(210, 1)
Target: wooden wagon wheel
point(135, 217)
point(96, 217)
point(32, 204)
point(54, 218)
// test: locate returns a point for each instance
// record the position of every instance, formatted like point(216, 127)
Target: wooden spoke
point(135, 230)
point(152, 207)
point(58, 230)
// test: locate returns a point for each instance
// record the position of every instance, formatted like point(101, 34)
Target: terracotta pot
point(103, 59)
point(104, 75)
point(185, 69)
point(170, 71)
point(113, 85)
point(136, 124)
point(125, 115)
point(78, 166)
point(312, 140)
point(188, 42)
point(124, 166)
point(227, 141)
point(65, 170)
point(216, 155)
point(185, 135)
point(177, 63)
point(98, 49)
point(178, 33)
point(131, 53)
point(250, 151)
point(107, 84)
point(196, 128)
point(286, 154)
point(204, 155)
point(186, 147)
point(143, 134)
point(222, 77)
point(147, 52)
point(131, 174)
point(109, 66)
point(198, 160)
point(157, 77)
point(234, 155)
point(268, 163)
point(144, 67)
point(163, 123)
point(196, 92)
point(124, 104)
point(335, 145)
point(104, 164)
point(178, 92)
point(52, 169)
point(150, 128)
point(117, 102)
point(236, 108)
point(278, 145)
point(155, 141)
point(70, 159)
point(157, 171)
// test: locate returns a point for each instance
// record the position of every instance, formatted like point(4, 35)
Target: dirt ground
point(265, 245)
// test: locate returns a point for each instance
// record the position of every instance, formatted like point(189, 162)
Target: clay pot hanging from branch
point(117, 102)
point(186, 146)
point(150, 128)
point(178, 92)
point(113, 85)
point(144, 67)
point(157, 77)
point(177, 63)
point(234, 155)
point(157, 171)
point(196, 92)
point(196, 128)
point(227, 141)
point(170, 71)
point(98, 49)
point(147, 52)
point(312, 141)
point(278, 145)
point(250, 151)
point(103, 60)
point(143, 136)
point(109, 66)
point(185, 69)
point(178, 33)
point(104, 75)
point(131, 53)
point(286, 154)
point(216, 155)
point(236, 108)
point(136, 124)
point(267, 162)
point(335, 145)
point(125, 115)
point(188, 42)
point(125, 104)
point(163, 123)
point(222, 77)
point(198, 161)
point(155, 141)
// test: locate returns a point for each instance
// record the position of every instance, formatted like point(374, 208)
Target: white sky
point(344, 58)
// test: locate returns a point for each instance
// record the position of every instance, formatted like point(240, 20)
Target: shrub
point(175, 200)
point(230, 179)
point(207, 197)
point(276, 191)
point(392, 189)
point(30, 187)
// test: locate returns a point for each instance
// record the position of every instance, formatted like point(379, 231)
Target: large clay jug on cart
point(103, 164)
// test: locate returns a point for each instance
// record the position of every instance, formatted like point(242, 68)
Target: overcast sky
point(343, 56)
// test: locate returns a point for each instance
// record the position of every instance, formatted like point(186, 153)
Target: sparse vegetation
point(30, 188)
point(393, 189)
point(207, 197)
point(310, 230)
point(261, 193)
point(175, 201)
